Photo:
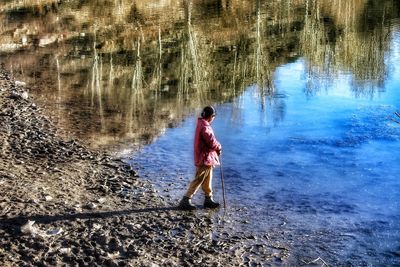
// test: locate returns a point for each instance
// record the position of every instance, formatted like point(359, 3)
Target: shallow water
point(325, 166)
point(304, 92)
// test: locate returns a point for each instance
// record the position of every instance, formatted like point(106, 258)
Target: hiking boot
point(186, 204)
point(210, 203)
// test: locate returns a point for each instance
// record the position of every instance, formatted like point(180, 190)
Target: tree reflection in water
point(127, 70)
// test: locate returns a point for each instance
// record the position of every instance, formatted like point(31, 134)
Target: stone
point(25, 95)
point(14, 95)
point(47, 40)
point(10, 47)
point(28, 228)
point(34, 201)
point(101, 200)
point(91, 206)
point(56, 231)
point(20, 83)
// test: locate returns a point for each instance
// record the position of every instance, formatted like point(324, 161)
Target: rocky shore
point(63, 204)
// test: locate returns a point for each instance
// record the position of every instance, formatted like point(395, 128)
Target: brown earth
point(63, 204)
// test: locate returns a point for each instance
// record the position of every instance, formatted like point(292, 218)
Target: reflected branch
point(185, 56)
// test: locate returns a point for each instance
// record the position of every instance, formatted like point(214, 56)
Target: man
point(206, 155)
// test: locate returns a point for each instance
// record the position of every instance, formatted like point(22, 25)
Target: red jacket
point(205, 145)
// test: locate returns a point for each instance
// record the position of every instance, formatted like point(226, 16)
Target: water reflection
point(124, 71)
point(354, 37)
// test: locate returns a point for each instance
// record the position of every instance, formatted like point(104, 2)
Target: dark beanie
point(207, 112)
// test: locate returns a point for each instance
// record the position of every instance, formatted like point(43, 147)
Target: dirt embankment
point(62, 204)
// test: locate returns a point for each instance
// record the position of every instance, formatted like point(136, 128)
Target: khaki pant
point(203, 178)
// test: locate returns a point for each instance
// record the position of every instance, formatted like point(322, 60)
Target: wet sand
point(63, 204)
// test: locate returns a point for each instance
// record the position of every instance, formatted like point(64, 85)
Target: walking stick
point(222, 182)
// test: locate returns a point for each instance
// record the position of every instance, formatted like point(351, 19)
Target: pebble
point(91, 206)
point(25, 95)
point(113, 256)
point(28, 227)
point(101, 200)
point(96, 226)
point(34, 201)
point(56, 231)
point(65, 250)
point(20, 83)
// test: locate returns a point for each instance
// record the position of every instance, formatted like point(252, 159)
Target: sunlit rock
point(47, 40)
point(25, 95)
point(20, 83)
point(24, 40)
point(11, 47)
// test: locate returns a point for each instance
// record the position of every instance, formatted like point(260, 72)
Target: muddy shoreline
point(63, 204)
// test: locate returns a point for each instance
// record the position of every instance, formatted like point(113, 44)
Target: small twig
point(198, 243)
point(53, 240)
point(317, 259)
point(398, 115)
